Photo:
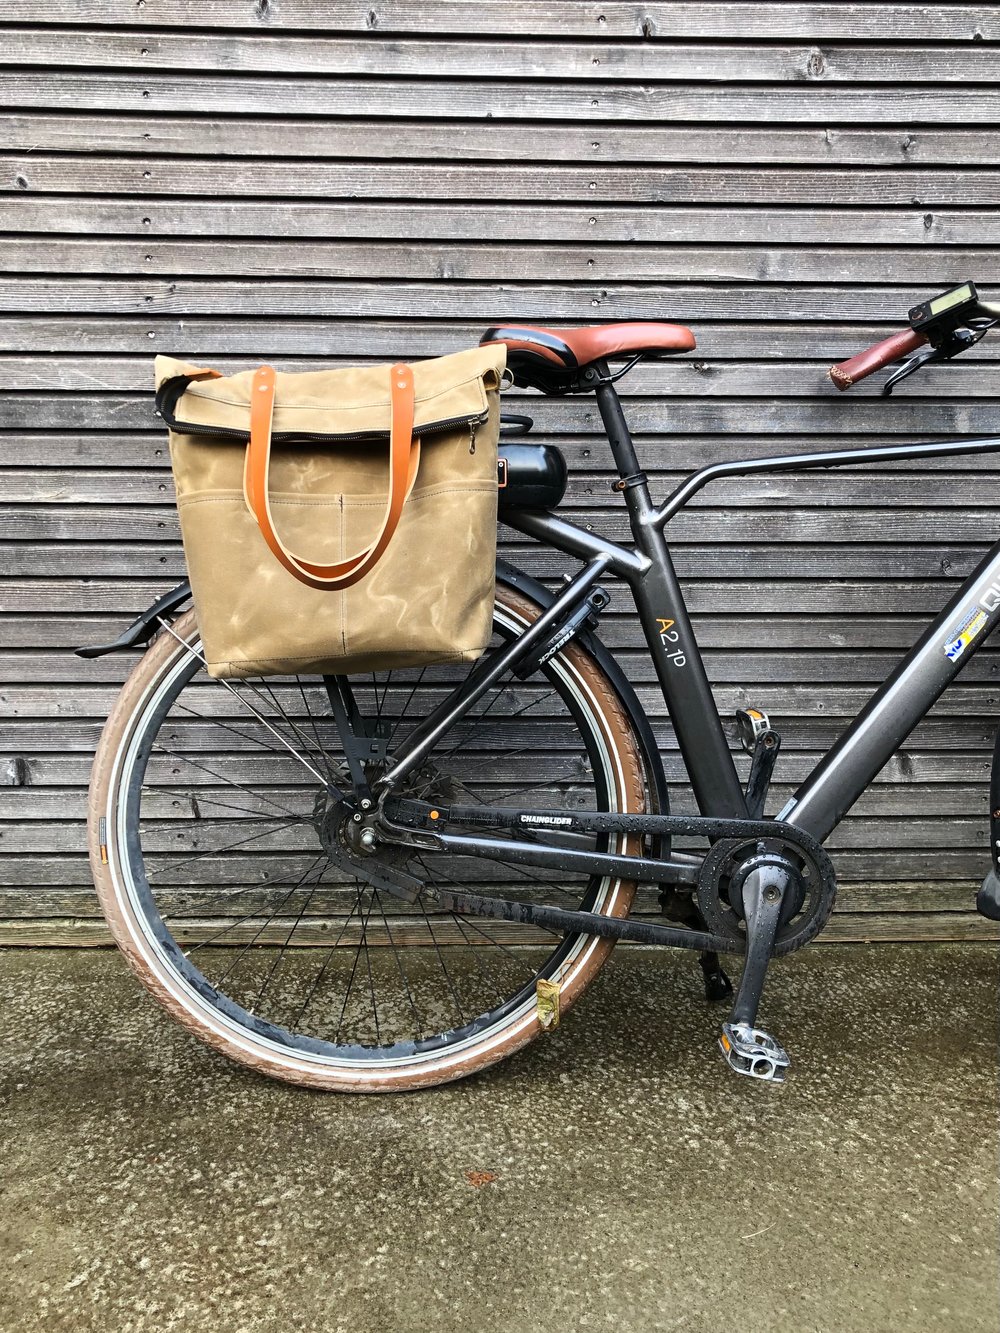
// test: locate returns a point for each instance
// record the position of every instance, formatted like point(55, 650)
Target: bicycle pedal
point(753, 1052)
point(751, 724)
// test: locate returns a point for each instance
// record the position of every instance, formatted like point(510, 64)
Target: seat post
point(619, 436)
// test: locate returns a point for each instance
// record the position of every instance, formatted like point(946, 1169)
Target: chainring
point(726, 868)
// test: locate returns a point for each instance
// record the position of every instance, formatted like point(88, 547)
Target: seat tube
point(670, 636)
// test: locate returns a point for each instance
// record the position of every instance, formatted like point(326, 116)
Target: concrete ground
point(615, 1176)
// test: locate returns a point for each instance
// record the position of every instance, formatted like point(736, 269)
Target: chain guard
point(726, 867)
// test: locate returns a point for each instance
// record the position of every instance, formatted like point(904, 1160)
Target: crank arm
point(765, 752)
point(748, 1049)
point(762, 896)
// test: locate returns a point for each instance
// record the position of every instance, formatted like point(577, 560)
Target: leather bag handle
point(404, 459)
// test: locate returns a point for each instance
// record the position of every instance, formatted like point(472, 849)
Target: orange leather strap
point(404, 459)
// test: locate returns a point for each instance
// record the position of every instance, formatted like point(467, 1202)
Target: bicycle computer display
point(946, 308)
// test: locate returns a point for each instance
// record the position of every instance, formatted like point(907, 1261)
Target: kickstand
point(718, 987)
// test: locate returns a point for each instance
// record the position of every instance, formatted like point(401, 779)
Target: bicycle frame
point(843, 774)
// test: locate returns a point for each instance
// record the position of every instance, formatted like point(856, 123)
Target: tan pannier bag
point(338, 521)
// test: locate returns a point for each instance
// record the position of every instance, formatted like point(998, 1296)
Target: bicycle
point(375, 884)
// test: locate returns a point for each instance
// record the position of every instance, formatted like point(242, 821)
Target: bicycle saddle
point(551, 359)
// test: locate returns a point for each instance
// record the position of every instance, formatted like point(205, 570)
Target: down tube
point(878, 731)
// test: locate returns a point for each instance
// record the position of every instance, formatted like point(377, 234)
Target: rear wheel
point(226, 881)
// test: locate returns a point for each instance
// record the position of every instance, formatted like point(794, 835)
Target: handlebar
point(880, 354)
point(944, 326)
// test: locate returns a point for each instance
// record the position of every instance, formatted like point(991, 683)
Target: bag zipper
point(289, 437)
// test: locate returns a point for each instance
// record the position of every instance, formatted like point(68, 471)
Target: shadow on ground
point(615, 1176)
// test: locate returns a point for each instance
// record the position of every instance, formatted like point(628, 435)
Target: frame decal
point(669, 638)
point(960, 639)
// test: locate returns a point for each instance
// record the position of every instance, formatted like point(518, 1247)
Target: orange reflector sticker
point(725, 1042)
point(435, 814)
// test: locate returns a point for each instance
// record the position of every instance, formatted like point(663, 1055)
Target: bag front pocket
point(254, 615)
point(433, 590)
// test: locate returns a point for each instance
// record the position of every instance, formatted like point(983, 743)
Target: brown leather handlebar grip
point(881, 354)
point(875, 357)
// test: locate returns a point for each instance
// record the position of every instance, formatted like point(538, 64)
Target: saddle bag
point(337, 521)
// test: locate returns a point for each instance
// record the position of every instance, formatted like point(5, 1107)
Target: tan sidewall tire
point(205, 1023)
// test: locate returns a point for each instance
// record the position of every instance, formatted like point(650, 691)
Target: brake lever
point(943, 349)
point(910, 366)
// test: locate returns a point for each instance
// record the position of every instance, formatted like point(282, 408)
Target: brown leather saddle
point(557, 361)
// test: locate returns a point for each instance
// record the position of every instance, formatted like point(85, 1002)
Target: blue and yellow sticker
point(970, 627)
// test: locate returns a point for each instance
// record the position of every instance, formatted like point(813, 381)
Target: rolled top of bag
point(329, 404)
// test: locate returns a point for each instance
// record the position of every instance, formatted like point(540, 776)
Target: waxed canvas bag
point(338, 521)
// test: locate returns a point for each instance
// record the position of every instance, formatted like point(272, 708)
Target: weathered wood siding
point(312, 180)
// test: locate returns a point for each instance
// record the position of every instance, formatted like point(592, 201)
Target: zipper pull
point(473, 427)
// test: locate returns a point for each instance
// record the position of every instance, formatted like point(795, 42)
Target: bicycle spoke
point(293, 726)
point(463, 742)
point(409, 699)
point(535, 786)
point(249, 916)
point(182, 758)
point(379, 702)
point(399, 962)
point(480, 930)
point(216, 851)
point(444, 965)
point(368, 963)
point(203, 824)
point(198, 801)
point(225, 895)
point(354, 968)
point(330, 953)
point(242, 953)
point(281, 952)
point(237, 694)
point(320, 750)
point(242, 735)
point(495, 721)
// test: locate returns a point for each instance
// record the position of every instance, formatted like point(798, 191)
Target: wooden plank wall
point(312, 180)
